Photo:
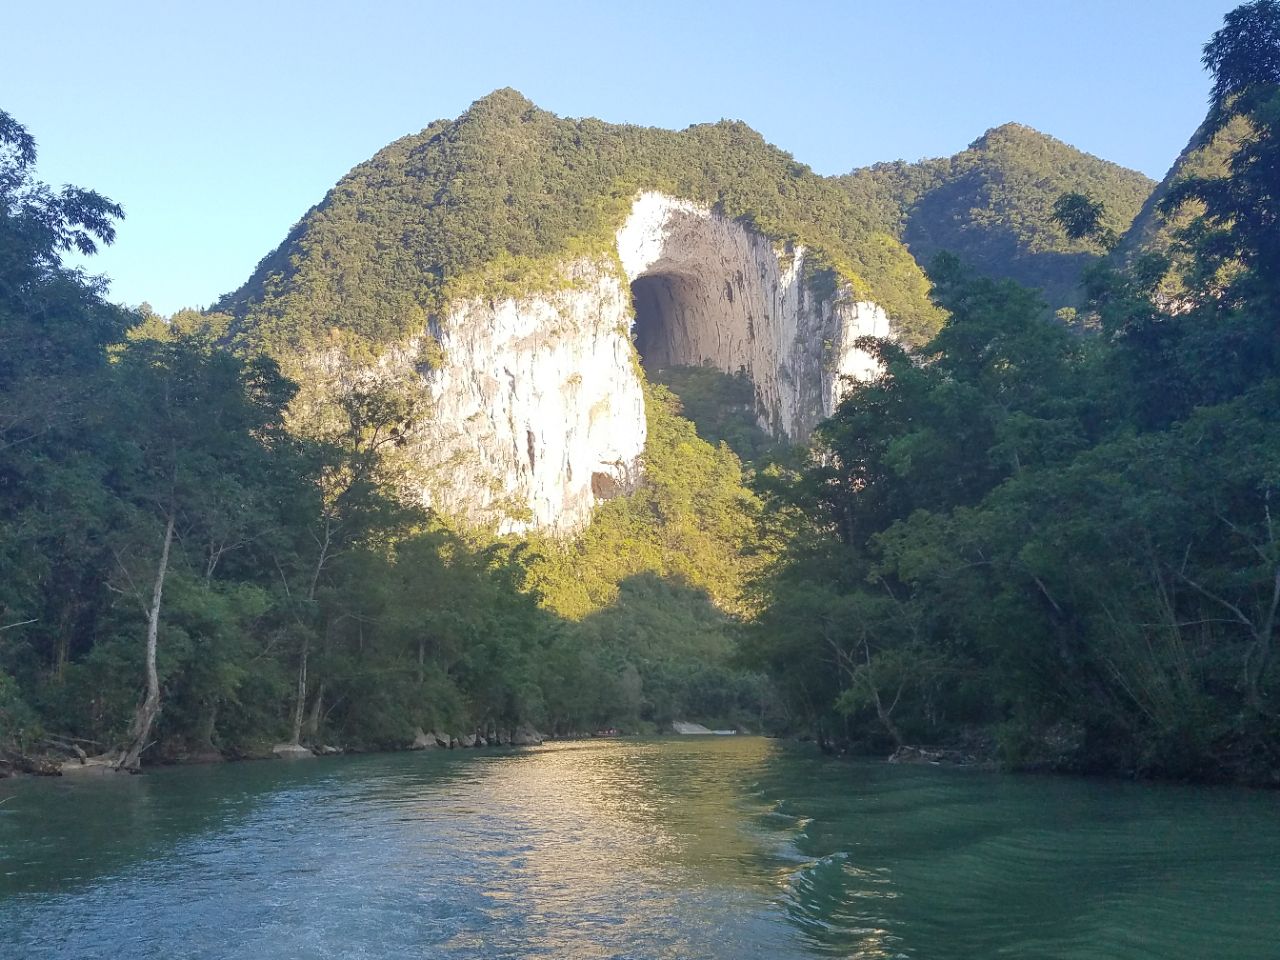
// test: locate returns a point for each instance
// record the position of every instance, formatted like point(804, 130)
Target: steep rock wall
point(708, 290)
point(537, 404)
point(537, 409)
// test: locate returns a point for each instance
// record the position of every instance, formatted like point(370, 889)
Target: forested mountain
point(492, 203)
point(1156, 228)
point(184, 577)
point(992, 205)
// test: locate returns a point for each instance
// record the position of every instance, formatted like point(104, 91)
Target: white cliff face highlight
point(710, 291)
point(537, 408)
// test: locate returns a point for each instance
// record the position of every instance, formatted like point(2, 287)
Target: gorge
point(577, 539)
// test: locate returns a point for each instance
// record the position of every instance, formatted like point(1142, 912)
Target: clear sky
point(217, 124)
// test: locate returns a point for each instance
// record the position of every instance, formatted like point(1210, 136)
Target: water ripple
point(732, 848)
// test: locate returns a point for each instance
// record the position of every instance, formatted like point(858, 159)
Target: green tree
point(54, 327)
point(1244, 56)
point(1082, 218)
point(192, 427)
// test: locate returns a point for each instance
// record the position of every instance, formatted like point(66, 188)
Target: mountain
point(498, 265)
point(491, 201)
point(1207, 154)
point(505, 271)
point(992, 204)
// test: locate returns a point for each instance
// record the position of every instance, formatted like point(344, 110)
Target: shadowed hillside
point(992, 206)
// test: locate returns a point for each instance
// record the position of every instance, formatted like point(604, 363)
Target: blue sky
point(218, 124)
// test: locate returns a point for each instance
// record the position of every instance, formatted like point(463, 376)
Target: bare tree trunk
point(1258, 660)
point(317, 708)
point(60, 661)
point(885, 714)
point(299, 707)
point(208, 724)
point(300, 697)
point(147, 711)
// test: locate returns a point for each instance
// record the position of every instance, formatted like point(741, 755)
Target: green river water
point(703, 847)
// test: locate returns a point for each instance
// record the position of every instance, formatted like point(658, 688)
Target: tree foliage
point(1244, 55)
point(1065, 543)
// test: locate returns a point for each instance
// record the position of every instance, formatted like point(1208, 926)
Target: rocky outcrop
point(710, 291)
point(526, 736)
point(684, 728)
point(291, 751)
point(424, 741)
point(536, 403)
point(96, 766)
point(978, 751)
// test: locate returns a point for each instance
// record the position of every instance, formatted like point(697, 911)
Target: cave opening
point(678, 327)
point(659, 319)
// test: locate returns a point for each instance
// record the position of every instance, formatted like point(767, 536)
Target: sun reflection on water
point(716, 848)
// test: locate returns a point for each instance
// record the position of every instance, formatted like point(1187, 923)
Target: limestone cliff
point(710, 291)
point(537, 407)
point(518, 271)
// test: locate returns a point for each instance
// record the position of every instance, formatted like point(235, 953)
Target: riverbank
point(64, 758)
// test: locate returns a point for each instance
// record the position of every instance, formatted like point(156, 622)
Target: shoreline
point(96, 768)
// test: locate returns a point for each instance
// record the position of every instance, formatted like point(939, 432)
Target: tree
point(39, 224)
point(1244, 55)
point(1082, 219)
point(192, 427)
point(354, 429)
point(1234, 245)
point(52, 320)
point(54, 327)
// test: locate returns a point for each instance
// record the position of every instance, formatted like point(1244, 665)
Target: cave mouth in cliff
point(674, 313)
point(664, 304)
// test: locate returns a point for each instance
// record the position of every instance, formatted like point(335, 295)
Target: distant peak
point(1009, 131)
point(505, 101)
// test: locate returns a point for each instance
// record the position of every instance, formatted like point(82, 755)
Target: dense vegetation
point(492, 202)
point(992, 205)
point(1157, 227)
point(1067, 543)
point(183, 575)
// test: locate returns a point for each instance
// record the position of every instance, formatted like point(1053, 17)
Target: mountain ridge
point(491, 200)
point(992, 203)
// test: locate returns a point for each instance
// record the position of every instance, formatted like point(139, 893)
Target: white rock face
point(291, 751)
point(538, 412)
point(710, 291)
point(537, 409)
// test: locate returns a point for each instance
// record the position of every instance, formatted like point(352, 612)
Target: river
point(692, 848)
